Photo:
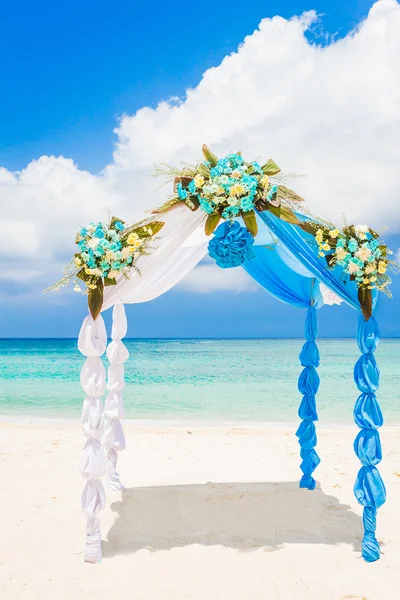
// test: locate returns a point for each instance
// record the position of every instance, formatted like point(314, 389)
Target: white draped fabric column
point(92, 343)
point(113, 438)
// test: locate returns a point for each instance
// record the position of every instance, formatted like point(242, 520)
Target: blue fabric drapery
point(302, 246)
point(369, 488)
point(287, 269)
point(273, 274)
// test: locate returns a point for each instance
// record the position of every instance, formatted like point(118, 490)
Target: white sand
point(214, 515)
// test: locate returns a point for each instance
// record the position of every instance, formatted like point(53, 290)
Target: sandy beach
point(208, 513)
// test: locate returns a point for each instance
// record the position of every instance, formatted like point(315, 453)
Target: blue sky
point(70, 70)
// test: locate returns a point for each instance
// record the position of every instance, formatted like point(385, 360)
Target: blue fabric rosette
point(231, 245)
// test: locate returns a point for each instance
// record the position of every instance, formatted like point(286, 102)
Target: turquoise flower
point(231, 211)
point(352, 245)
point(118, 226)
point(182, 193)
point(246, 203)
point(192, 187)
point(257, 167)
point(206, 206)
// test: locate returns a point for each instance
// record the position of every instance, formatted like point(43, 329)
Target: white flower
point(352, 267)
point(340, 253)
point(363, 253)
point(110, 256)
point(77, 288)
point(126, 251)
point(113, 274)
point(361, 230)
point(93, 243)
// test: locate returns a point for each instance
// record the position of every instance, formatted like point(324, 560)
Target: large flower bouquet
point(105, 252)
point(228, 187)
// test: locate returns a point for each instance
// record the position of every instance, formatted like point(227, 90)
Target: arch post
point(369, 488)
point(113, 438)
point(308, 386)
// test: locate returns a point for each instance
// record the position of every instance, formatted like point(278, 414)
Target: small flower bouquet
point(229, 187)
point(105, 252)
point(363, 257)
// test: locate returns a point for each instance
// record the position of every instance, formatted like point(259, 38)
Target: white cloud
point(330, 112)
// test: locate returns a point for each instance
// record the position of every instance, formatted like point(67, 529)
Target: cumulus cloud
point(331, 113)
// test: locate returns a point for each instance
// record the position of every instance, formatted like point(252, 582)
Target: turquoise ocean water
point(196, 380)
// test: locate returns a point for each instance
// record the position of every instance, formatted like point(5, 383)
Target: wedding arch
point(299, 259)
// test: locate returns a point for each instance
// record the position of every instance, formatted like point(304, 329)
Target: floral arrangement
point(358, 250)
point(105, 252)
point(229, 187)
point(231, 245)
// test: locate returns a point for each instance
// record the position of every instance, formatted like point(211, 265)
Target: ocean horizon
point(199, 380)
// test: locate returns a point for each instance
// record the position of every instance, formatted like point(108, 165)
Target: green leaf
point(110, 281)
point(167, 206)
point(115, 220)
point(83, 276)
point(365, 299)
point(142, 231)
point(270, 168)
point(204, 170)
point(156, 226)
point(308, 227)
point(284, 193)
point(250, 221)
point(192, 202)
point(208, 155)
point(95, 299)
point(289, 216)
point(276, 210)
point(211, 223)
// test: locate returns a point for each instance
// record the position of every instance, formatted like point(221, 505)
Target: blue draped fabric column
point(369, 488)
point(308, 386)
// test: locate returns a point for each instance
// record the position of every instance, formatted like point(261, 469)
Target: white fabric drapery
point(178, 247)
point(113, 438)
point(92, 344)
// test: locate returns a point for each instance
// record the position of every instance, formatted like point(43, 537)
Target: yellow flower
point(372, 279)
point(134, 240)
point(91, 286)
point(199, 181)
point(334, 233)
point(366, 280)
point(381, 270)
point(370, 268)
point(326, 247)
point(319, 235)
point(237, 190)
point(78, 261)
point(236, 174)
point(264, 180)
point(321, 254)
point(132, 237)
point(88, 271)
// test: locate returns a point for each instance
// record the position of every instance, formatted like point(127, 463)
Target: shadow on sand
point(244, 516)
